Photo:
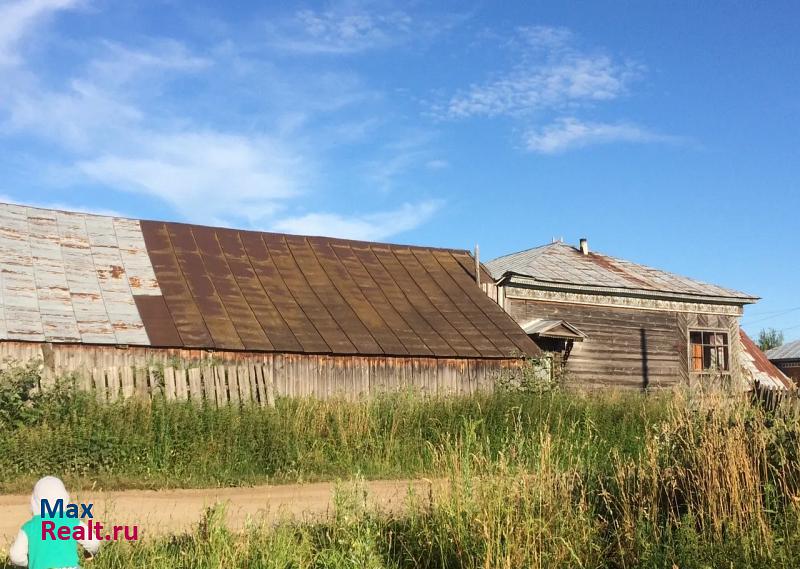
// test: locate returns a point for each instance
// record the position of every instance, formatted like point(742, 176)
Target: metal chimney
point(584, 246)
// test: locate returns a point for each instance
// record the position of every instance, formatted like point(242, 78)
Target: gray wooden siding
point(619, 339)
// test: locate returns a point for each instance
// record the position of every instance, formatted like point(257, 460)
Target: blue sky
point(665, 133)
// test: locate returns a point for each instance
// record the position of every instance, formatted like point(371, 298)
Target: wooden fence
point(225, 378)
point(785, 401)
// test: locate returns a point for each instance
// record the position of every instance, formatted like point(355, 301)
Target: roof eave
point(525, 280)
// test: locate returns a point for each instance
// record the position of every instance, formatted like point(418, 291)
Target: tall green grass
point(161, 444)
point(533, 478)
point(714, 484)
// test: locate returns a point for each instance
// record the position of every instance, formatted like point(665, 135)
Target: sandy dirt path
point(170, 511)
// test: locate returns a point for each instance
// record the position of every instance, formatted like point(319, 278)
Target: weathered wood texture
point(628, 347)
point(791, 369)
point(225, 378)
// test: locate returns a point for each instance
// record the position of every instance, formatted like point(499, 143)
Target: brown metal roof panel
point(185, 313)
point(396, 297)
point(396, 326)
point(279, 294)
point(273, 325)
point(433, 310)
point(458, 307)
point(158, 322)
point(428, 312)
point(202, 288)
point(502, 320)
point(241, 316)
point(349, 289)
point(315, 311)
point(331, 298)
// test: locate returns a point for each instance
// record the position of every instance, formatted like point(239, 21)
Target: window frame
point(725, 346)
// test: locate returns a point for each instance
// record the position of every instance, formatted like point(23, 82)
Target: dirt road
point(169, 511)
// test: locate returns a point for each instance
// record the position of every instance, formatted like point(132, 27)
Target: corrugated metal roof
point(73, 277)
point(562, 264)
point(760, 369)
point(790, 351)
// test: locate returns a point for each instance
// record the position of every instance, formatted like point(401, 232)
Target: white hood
point(50, 488)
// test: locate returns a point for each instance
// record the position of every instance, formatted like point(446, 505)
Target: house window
point(708, 351)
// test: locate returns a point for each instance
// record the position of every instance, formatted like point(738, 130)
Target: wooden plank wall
point(237, 378)
point(613, 353)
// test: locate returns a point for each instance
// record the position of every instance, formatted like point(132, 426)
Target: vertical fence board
point(195, 384)
point(112, 382)
point(99, 380)
point(169, 383)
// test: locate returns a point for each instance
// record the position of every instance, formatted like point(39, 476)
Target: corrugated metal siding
point(240, 290)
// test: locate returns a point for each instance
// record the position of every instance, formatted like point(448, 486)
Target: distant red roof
point(760, 368)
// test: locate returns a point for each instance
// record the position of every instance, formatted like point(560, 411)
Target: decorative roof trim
point(526, 281)
point(548, 329)
point(619, 301)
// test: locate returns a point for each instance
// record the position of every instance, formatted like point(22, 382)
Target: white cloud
point(368, 227)
point(563, 77)
point(208, 176)
point(120, 123)
point(18, 18)
point(570, 133)
point(339, 31)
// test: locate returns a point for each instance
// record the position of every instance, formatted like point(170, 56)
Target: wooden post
point(477, 265)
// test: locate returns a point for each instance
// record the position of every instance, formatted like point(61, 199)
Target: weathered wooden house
point(132, 306)
point(607, 321)
point(787, 359)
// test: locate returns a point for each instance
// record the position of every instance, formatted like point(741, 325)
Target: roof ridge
point(543, 246)
point(342, 240)
point(550, 263)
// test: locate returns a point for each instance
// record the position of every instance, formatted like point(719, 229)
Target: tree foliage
point(769, 338)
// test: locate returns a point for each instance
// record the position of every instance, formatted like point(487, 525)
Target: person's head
point(49, 488)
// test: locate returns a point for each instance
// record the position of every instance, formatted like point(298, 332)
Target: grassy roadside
point(538, 477)
point(161, 444)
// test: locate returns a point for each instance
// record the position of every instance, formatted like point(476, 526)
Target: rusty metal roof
point(561, 265)
point(759, 368)
point(73, 277)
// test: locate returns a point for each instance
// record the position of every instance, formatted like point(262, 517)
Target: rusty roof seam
point(411, 307)
point(435, 329)
point(446, 275)
point(380, 291)
point(82, 218)
point(221, 298)
point(304, 272)
point(266, 294)
point(340, 301)
point(290, 294)
point(360, 288)
point(289, 289)
point(427, 296)
point(489, 317)
point(188, 289)
point(344, 297)
point(472, 294)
